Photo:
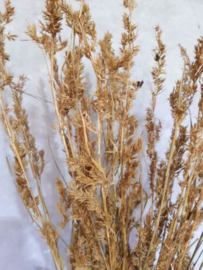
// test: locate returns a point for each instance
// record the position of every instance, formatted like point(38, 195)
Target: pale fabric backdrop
point(21, 246)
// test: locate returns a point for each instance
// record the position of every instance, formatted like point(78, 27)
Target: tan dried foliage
point(105, 200)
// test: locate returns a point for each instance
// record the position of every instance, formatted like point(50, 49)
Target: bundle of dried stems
point(105, 199)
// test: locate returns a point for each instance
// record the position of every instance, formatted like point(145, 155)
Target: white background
point(21, 246)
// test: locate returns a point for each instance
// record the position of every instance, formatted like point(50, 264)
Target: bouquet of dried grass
point(105, 200)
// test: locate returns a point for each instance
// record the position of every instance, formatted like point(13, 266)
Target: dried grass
point(105, 199)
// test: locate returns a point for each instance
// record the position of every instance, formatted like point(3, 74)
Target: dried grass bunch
point(105, 199)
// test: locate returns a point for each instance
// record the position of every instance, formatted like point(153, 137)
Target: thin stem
point(99, 244)
point(167, 175)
